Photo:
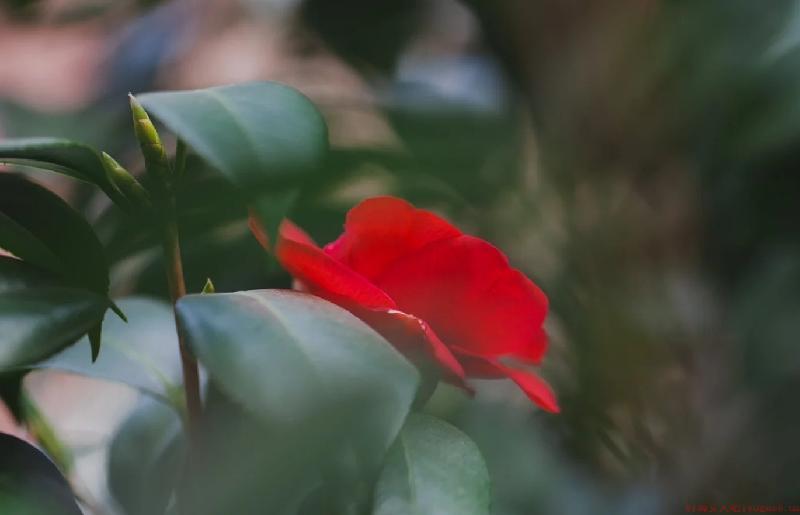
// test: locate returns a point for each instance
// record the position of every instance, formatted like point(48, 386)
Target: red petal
point(381, 230)
point(319, 273)
point(323, 276)
point(258, 231)
point(465, 289)
point(288, 230)
point(478, 367)
point(413, 337)
point(534, 386)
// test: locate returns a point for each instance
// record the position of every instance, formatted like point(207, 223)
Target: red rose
point(424, 285)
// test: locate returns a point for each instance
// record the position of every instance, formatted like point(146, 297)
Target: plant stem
point(177, 289)
point(40, 429)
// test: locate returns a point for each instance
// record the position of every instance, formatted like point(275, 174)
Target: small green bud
point(126, 183)
point(155, 157)
point(208, 287)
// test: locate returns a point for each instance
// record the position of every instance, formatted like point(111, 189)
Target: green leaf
point(263, 136)
point(145, 458)
point(39, 314)
point(26, 246)
point(257, 133)
point(318, 383)
point(59, 155)
point(433, 468)
point(284, 354)
point(29, 482)
point(94, 339)
point(142, 353)
point(292, 459)
point(36, 225)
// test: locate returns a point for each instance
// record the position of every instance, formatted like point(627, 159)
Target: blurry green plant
point(304, 409)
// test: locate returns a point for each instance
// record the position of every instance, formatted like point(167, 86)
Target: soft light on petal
point(318, 272)
point(531, 384)
point(381, 230)
point(534, 387)
point(429, 290)
point(415, 339)
point(466, 290)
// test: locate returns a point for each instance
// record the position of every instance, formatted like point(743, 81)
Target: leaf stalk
point(177, 289)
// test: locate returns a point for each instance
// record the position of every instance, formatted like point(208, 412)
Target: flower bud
point(126, 183)
point(155, 157)
point(208, 287)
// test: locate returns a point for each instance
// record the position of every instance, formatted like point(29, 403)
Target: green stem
point(177, 289)
point(41, 430)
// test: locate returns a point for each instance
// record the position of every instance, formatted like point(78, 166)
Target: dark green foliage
point(29, 482)
point(368, 34)
point(39, 314)
point(59, 155)
point(38, 227)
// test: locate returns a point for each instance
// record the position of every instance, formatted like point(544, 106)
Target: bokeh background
point(639, 159)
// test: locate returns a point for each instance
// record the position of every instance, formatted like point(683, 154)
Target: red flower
point(425, 286)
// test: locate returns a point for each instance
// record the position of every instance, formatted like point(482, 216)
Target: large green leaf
point(257, 133)
point(37, 226)
point(145, 458)
point(142, 353)
point(59, 155)
point(284, 354)
point(39, 314)
point(30, 484)
point(263, 136)
point(319, 385)
point(433, 468)
point(295, 460)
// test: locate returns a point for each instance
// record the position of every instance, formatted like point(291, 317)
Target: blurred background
point(639, 160)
